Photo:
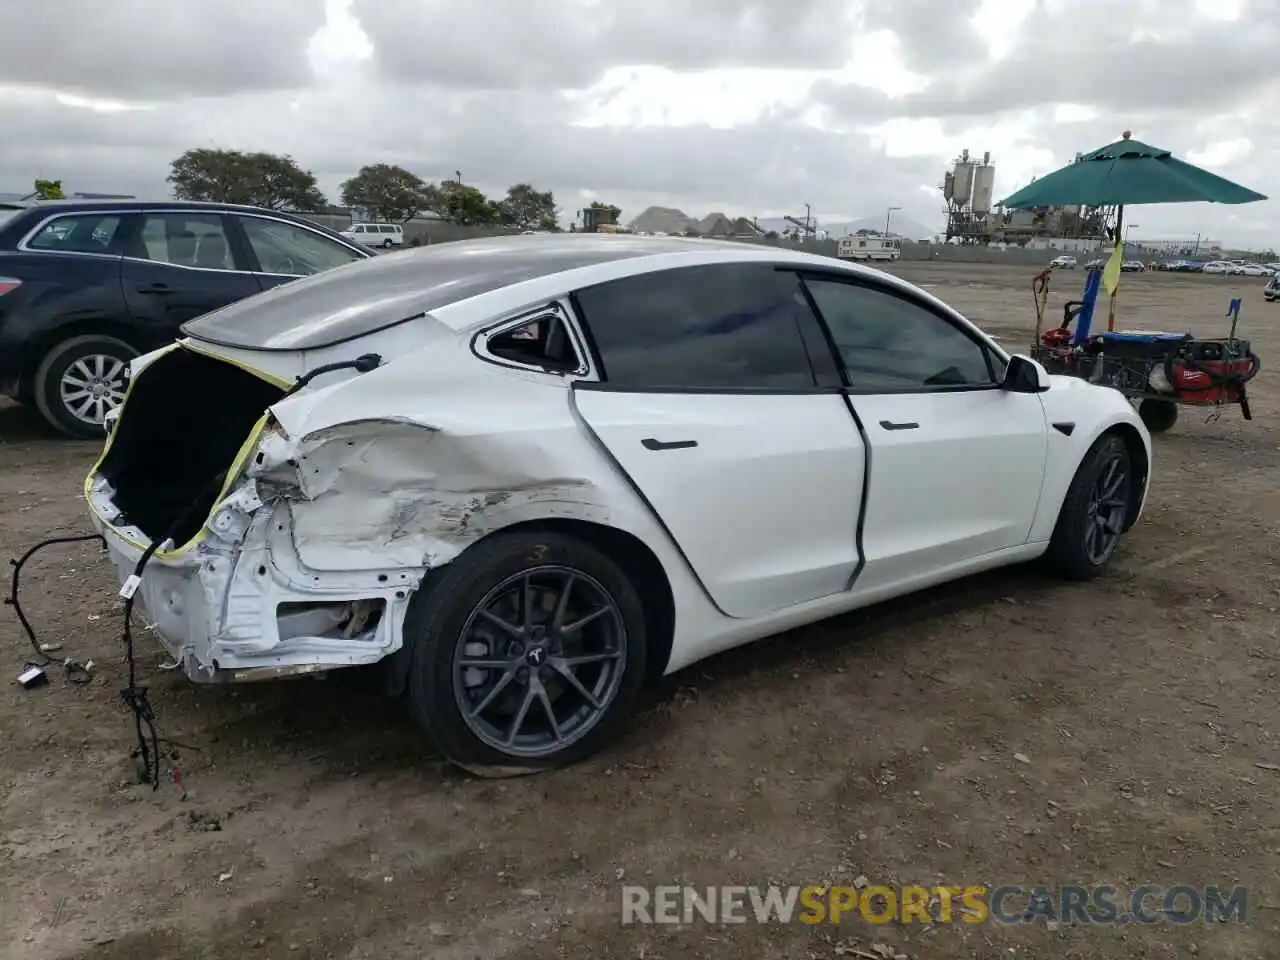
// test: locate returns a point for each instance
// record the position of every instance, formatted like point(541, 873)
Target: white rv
point(864, 247)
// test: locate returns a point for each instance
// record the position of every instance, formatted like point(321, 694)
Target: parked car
point(533, 473)
point(1271, 292)
point(1133, 266)
point(1253, 270)
point(384, 235)
point(1062, 263)
point(1095, 264)
point(1219, 267)
point(85, 286)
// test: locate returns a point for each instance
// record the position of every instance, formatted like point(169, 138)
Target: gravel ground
point(1008, 728)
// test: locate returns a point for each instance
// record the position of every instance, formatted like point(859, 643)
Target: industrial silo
point(984, 179)
point(962, 184)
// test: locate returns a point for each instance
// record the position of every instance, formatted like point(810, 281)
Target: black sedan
point(85, 286)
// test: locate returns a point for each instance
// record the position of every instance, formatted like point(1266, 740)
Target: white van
point(384, 235)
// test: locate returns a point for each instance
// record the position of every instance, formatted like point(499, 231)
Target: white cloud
point(749, 106)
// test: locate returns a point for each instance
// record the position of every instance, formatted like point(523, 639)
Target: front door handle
point(651, 444)
point(904, 425)
point(157, 290)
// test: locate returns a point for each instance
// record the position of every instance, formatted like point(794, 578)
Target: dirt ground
point(1007, 729)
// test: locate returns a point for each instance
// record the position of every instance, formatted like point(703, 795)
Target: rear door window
point(183, 239)
point(717, 327)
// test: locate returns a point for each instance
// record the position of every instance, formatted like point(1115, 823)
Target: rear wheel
point(80, 380)
point(1158, 415)
point(1094, 511)
point(386, 244)
point(528, 653)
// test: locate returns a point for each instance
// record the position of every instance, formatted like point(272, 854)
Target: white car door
point(710, 404)
point(956, 462)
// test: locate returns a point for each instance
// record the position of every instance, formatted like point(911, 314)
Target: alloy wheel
point(92, 386)
point(1107, 505)
point(539, 661)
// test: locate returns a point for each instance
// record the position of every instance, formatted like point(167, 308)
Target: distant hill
point(663, 220)
point(669, 220)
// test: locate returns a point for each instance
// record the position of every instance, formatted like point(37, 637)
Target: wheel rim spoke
point(494, 693)
point(490, 617)
point(527, 702)
point(92, 386)
point(526, 602)
point(579, 624)
point(1106, 510)
point(557, 619)
point(539, 661)
point(564, 670)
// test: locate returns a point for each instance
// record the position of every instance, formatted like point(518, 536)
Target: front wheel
point(386, 244)
point(80, 380)
point(1094, 511)
point(528, 653)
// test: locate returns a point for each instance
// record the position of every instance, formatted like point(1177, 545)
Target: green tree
point(467, 206)
point(528, 209)
point(236, 176)
point(49, 190)
point(389, 192)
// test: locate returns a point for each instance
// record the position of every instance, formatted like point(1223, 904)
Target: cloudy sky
point(752, 107)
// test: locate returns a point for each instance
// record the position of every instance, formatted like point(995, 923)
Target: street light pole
point(887, 217)
point(1127, 228)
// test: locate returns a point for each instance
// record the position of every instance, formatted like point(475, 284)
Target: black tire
point(386, 244)
point(1158, 415)
point(57, 365)
point(1069, 552)
point(446, 606)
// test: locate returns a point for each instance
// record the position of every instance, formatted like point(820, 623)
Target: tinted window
point(86, 233)
point(730, 325)
point(284, 248)
point(186, 240)
point(890, 343)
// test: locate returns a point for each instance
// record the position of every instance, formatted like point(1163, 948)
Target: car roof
point(85, 205)
point(358, 299)
point(31, 214)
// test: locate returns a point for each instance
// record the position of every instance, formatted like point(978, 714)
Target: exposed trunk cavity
point(186, 418)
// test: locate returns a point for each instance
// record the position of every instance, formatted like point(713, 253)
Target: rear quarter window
point(77, 233)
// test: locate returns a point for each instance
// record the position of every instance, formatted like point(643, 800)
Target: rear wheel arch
point(635, 558)
point(39, 348)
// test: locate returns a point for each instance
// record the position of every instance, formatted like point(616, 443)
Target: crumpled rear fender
point(374, 494)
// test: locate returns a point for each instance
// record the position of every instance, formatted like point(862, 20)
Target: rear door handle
point(904, 425)
point(651, 444)
point(157, 290)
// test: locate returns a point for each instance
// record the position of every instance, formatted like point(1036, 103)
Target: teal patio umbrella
point(1124, 173)
point(1129, 172)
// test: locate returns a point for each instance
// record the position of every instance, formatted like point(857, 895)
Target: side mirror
point(1024, 375)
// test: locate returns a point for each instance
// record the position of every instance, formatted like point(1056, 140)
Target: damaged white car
point(534, 472)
